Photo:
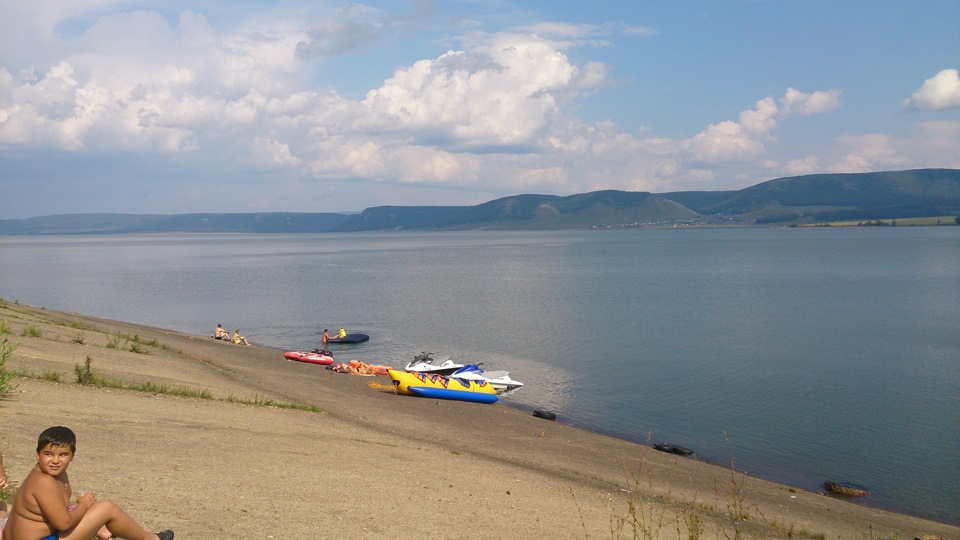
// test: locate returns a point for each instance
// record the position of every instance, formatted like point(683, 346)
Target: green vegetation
point(32, 331)
point(263, 402)
point(6, 351)
point(650, 517)
point(132, 343)
point(138, 347)
point(86, 376)
point(930, 221)
point(645, 516)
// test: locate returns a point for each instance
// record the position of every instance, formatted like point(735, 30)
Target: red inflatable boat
point(316, 356)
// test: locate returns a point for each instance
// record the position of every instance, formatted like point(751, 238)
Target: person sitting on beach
point(41, 506)
point(220, 333)
point(3, 475)
point(3, 517)
point(342, 334)
point(238, 339)
point(3, 505)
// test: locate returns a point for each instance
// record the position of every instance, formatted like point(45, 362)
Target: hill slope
point(268, 222)
point(526, 212)
point(783, 201)
point(827, 197)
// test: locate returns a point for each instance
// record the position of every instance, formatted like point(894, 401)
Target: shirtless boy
point(40, 508)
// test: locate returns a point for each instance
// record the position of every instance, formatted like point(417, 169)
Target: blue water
point(812, 354)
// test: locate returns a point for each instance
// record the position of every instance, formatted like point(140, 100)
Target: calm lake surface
point(812, 354)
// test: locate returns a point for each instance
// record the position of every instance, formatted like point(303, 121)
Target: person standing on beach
point(41, 506)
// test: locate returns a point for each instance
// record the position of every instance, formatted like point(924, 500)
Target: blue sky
point(158, 106)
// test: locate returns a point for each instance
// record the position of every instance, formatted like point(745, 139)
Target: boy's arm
point(53, 507)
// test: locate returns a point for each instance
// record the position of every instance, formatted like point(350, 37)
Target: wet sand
point(369, 464)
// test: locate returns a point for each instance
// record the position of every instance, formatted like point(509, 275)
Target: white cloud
point(639, 31)
point(46, 15)
point(561, 30)
point(272, 152)
point(869, 153)
point(942, 91)
point(736, 141)
point(798, 103)
point(801, 166)
point(502, 93)
point(724, 141)
point(746, 139)
point(349, 28)
point(761, 120)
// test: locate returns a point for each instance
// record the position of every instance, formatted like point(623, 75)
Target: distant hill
point(783, 201)
point(269, 222)
point(832, 197)
point(526, 212)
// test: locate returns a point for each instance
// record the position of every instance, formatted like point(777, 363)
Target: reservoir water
point(810, 354)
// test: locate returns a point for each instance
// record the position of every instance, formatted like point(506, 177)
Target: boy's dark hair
point(57, 436)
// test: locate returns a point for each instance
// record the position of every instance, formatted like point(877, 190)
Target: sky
point(168, 107)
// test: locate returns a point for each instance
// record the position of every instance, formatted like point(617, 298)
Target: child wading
point(41, 507)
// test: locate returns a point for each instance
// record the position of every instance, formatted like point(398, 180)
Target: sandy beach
point(364, 463)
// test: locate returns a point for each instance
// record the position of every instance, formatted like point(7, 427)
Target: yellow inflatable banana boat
point(441, 387)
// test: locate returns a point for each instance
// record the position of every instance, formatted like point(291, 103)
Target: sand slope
point(371, 464)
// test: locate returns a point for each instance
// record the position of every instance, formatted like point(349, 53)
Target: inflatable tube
point(403, 382)
point(323, 358)
point(546, 415)
point(349, 338)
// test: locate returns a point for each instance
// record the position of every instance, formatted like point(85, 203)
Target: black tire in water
point(546, 415)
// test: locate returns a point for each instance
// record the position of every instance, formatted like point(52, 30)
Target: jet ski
point(426, 363)
point(500, 380)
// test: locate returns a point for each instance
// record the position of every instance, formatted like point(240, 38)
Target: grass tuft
point(31, 331)
point(6, 351)
point(644, 516)
point(83, 373)
point(86, 376)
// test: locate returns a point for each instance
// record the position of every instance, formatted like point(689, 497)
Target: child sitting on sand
point(41, 505)
point(238, 339)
